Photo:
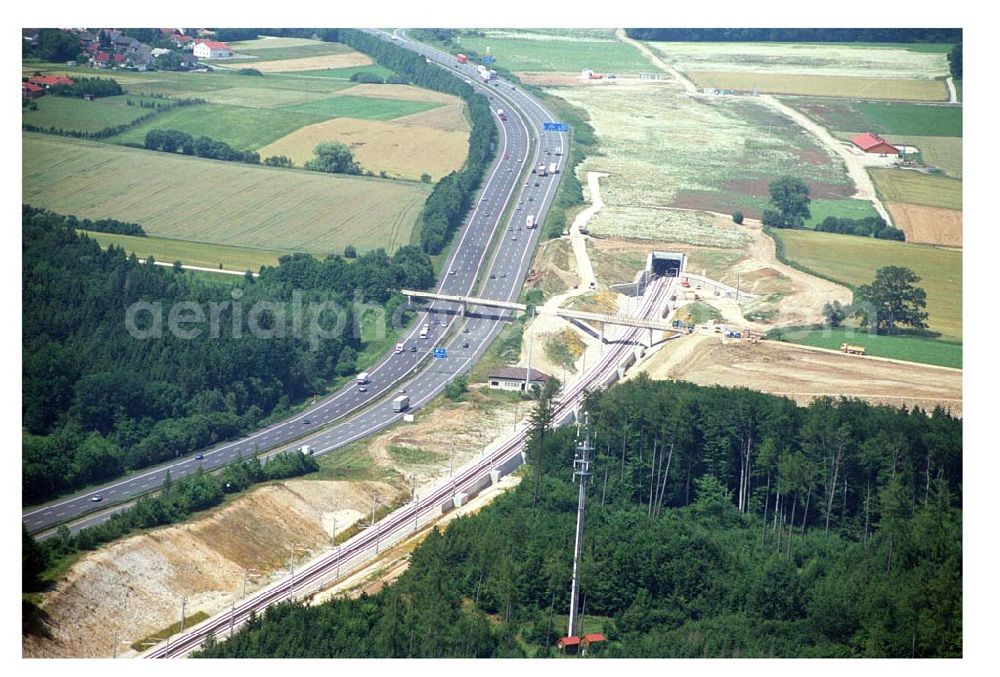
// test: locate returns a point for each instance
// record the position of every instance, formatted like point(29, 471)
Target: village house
point(210, 49)
point(185, 41)
point(30, 91)
point(47, 81)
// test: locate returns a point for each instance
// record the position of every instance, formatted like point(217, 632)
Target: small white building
point(513, 378)
point(210, 49)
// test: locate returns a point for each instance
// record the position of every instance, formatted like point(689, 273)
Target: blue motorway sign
point(487, 60)
point(555, 126)
point(440, 353)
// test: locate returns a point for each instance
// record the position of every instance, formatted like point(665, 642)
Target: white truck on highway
point(542, 170)
point(306, 450)
point(553, 169)
point(362, 378)
point(401, 403)
point(424, 329)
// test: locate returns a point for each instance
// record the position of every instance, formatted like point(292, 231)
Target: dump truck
point(461, 58)
point(852, 349)
point(401, 403)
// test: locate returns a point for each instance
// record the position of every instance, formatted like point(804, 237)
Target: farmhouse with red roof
point(50, 80)
point(870, 142)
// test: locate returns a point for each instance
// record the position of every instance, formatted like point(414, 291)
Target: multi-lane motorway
point(351, 413)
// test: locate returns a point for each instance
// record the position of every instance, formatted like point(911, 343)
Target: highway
point(403, 521)
point(350, 414)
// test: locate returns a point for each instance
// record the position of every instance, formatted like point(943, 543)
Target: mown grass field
point(191, 253)
point(854, 117)
point(346, 73)
point(853, 260)
point(274, 48)
point(241, 127)
point(216, 202)
point(842, 209)
point(74, 114)
point(365, 108)
point(918, 189)
point(908, 348)
point(544, 52)
point(835, 86)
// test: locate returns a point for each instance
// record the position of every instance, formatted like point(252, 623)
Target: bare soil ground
point(929, 225)
point(132, 588)
point(804, 374)
point(312, 63)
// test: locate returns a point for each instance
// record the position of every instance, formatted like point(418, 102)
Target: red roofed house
point(101, 60)
point(119, 59)
point(181, 40)
point(871, 142)
point(210, 49)
point(31, 91)
point(568, 645)
point(49, 80)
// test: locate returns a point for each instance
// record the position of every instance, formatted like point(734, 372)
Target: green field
point(852, 261)
point(367, 108)
point(73, 114)
point(190, 253)
point(241, 127)
point(909, 348)
point(842, 209)
point(346, 73)
point(944, 152)
point(227, 203)
point(884, 118)
point(545, 54)
point(275, 49)
point(916, 188)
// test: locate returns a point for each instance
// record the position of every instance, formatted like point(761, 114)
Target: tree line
point(172, 140)
point(97, 402)
point(949, 35)
point(450, 200)
point(95, 87)
point(871, 226)
point(720, 523)
point(51, 219)
point(175, 502)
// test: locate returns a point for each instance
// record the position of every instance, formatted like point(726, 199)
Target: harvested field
point(227, 203)
point(823, 85)
point(312, 63)
point(852, 260)
point(556, 79)
point(812, 59)
point(447, 118)
point(928, 225)
point(803, 374)
point(401, 150)
point(917, 188)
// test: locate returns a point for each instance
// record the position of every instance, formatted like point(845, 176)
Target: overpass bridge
point(575, 316)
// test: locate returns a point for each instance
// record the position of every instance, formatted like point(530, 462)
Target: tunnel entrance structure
point(665, 264)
